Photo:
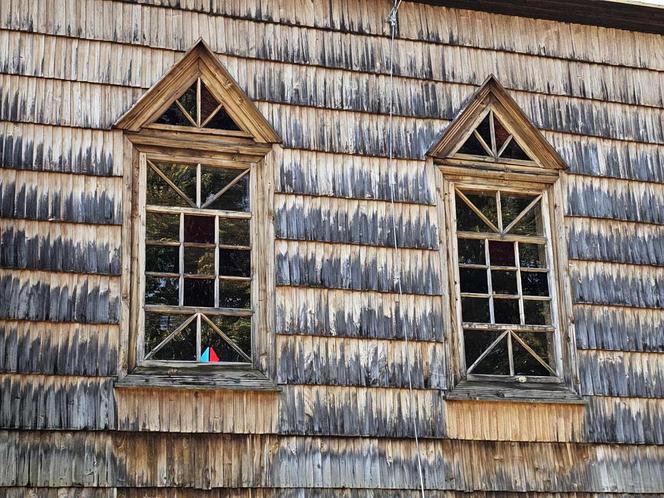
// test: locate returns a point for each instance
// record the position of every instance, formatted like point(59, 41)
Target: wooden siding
point(345, 420)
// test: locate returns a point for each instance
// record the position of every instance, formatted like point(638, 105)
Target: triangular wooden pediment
point(198, 92)
point(493, 128)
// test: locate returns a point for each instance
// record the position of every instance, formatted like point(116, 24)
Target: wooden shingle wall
point(345, 418)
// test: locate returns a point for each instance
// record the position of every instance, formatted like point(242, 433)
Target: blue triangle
point(205, 357)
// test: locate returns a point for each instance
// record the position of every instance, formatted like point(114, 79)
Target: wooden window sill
point(527, 392)
point(244, 378)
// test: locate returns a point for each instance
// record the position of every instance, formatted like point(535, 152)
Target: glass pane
point(496, 362)
point(486, 203)
point(198, 292)
point(537, 312)
point(473, 280)
point(173, 116)
point(484, 129)
point(182, 175)
point(506, 311)
point(238, 329)
point(199, 261)
point(234, 294)
point(160, 290)
point(188, 101)
point(514, 151)
point(182, 347)
point(471, 251)
point(158, 326)
point(236, 198)
point(160, 193)
point(473, 147)
point(531, 223)
point(501, 253)
point(512, 205)
point(165, 227)
point(222, 121)
point(524, 362)
point(501, 133)
point(534, 283)
point(234, 262)
point(467, 219)
point(162, 259)
point(234, 232)
point(532, 255)
point(475, 309)
point(199, 229)
point(208, 102)
point(503, 282)
point(215, 179)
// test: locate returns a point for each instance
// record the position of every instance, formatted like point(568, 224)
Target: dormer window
point(509, 295)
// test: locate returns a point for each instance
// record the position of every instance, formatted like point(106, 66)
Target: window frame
point(140, 246)
point(547, 214)
point(176, 146)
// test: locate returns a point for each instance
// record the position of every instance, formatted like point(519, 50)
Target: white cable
point(392, 19)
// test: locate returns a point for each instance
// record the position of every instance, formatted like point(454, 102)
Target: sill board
point(199, 377)
point(528, 392)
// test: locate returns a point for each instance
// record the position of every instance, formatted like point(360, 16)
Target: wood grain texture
point(59, 297)
point(328, 312)
point(60, 247)
point(58, 348)
point(617, 373)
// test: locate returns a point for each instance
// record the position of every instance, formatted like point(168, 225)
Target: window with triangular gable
point(506, 251)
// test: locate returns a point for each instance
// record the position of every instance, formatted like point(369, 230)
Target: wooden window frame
point(218, 149)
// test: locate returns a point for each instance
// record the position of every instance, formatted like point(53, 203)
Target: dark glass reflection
point(198, 292)
point(234, 294)
point(473, 280)
point(532, 255)
point(183, 176)
point(475, 310)
point(512, 206)
point(158, 326)
point(236, 198)
point(234, 262)
point(160, 193)
point(223, 121)
point(165, 227)
point(524, 362)
point(504, 282)
point(199, 229)
point(162, 259)
point(208, 102)
point(182, 347)
point(496, 362)
point(484, 129)
point(188, 101)
point(501, 253)
point(473, 147)
point(531, 223)
point(160, 290)
point(534, 283)
point(537, 312)
point(234, 232)
point(514, 151)
point(199, 261)
point(506, 311)
point(173, 116)
point(500, 132)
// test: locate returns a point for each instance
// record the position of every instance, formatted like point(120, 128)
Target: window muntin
point(505, 283)
point(492, 140)
point(197, 275)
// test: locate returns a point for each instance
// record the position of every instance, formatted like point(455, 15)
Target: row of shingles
point(332, 55)
point(209, 461)
point(417, 22)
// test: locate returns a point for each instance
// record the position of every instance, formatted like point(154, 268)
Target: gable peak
point(199, 93)
point(493, 127)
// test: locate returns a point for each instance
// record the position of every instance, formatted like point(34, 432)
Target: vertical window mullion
point(499, 211)
point(198, 337)
point(198, 185)
point(181, 263)
point(510, 354)
point(216, 261)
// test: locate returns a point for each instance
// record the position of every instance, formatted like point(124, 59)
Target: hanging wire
point(392, 19)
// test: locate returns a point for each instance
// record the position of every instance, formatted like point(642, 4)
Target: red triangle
point(213, 356)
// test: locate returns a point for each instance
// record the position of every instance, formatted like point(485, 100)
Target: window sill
point(527, 392)
point(244, 378)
